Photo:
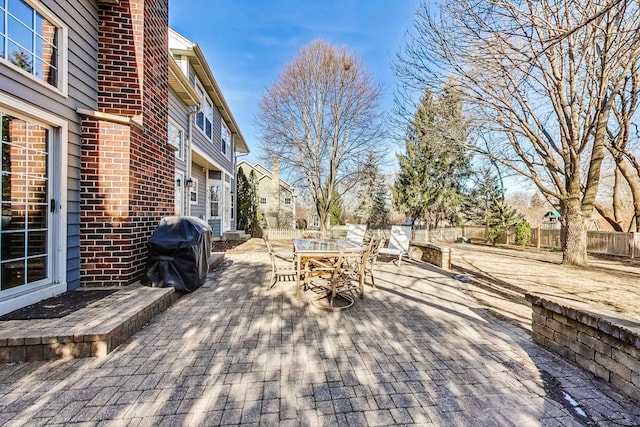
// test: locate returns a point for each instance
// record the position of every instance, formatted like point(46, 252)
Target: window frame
point(226, 139)
point(214, 190)
point(61, 85)
point(263, 200)
point(180, 148)
point(58, 275)
point(206, 111)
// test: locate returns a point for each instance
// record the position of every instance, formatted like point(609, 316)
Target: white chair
point(398, 242)
point(355, 233)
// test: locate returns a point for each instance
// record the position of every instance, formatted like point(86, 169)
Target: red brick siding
point(127, 172)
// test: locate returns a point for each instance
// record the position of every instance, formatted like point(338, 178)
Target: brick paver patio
point(417, 350)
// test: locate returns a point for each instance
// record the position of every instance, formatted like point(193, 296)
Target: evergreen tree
point(433, 171)
point(372, 195)
point(486, 204)
point(22, 60)
point(336, 212)
point(245, 205)
point(248, 212)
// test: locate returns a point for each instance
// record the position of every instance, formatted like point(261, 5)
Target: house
point(206, 138)
point(88, 169)
point(276, 197)
point(551, 221)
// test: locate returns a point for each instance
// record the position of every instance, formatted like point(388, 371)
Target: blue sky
point(248, 42)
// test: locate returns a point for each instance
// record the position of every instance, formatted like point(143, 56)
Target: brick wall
point(607, 345)
point(440, 256)
point(127, 169)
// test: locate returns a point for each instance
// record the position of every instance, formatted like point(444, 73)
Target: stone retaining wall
point(605, 344)
point(439, 256)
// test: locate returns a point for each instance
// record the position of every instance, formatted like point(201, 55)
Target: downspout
point(187, 193)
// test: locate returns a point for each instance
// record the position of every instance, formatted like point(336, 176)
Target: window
point(215, 201)
point(176, 138)
point(315, 221)
point(226, 140)
point(193, 191)
point(287, 200)
point(263, 200)
point(204, 118)
point(25, 234)
point(30, 41)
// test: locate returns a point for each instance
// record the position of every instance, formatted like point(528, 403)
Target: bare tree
point(620, 138)
point(322, 118)
point(541, 78)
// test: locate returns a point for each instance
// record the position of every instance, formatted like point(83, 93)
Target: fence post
point(538, 236)
point(633, 246)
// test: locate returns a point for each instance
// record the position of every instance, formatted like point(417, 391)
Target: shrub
point(523, 233)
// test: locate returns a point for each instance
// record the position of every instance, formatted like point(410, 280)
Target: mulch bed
point(58, 306)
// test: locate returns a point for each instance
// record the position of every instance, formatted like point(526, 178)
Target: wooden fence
point(598, 242)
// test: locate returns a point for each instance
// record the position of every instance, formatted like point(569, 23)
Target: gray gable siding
point(81, 19)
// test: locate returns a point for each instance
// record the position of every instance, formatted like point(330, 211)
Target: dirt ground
point(500, 276)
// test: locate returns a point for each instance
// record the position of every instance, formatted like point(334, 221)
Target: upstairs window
point(263, 200)
point(287, 200)
point(204, 118)
point(226, 140)
point(30, 41)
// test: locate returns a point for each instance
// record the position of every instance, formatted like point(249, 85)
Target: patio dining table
point(304, 249)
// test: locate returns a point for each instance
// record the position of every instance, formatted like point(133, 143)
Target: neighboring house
point(551, 221)
point(276, 197)
point(87, 169)
point(206, 137)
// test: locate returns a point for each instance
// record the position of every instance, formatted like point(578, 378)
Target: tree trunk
point(322, 217)
point(574, 235)
point(633, 179)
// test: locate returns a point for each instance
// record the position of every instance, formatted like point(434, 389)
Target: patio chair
point(398, 243)
point(355, 233)
point(333, 278)
point(281, 269)
point(370, 263)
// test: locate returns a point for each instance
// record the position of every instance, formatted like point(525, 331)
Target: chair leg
point(273, 280)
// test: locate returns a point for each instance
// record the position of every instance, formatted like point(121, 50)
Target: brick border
point(85, 334)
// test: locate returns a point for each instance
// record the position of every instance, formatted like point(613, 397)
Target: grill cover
point(179, 252)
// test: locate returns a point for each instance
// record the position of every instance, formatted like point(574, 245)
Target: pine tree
point(433, 171)
point(245, 203)
point(22, 59)
point(249, 214)
point(336, 212)
point(486, 204)
point(372, 195)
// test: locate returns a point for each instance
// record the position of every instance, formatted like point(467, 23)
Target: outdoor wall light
point(178, 182)
point(188, 182)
